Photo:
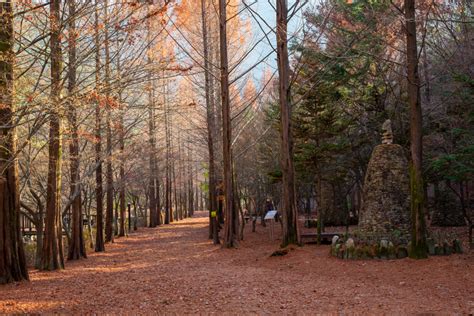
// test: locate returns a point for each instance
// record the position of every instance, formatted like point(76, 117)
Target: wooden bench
point(326, 238)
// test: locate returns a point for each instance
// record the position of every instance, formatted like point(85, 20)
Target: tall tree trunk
point(210, 126)
point(99, 192)
point(153, 180)
point(178, 191)
point(39, 237)
point(52, 254)
point(231, 227)
point(109, 219)
point(174, 214)
point(123, 206)
point(76, 247)
point(290, 225)
point(168, 209)
point(418, 247)
point(12, 257)
point(190, 209)
point(155, 213)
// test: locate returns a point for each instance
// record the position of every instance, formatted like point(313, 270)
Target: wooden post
point(272, 229)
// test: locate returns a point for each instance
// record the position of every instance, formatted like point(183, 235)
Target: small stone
point(439, 250)
point(431, 246)
point(402, 252)
point(280, 253)
point(341, 252)
point(457, 246)
point(448, 250)
point(350, 243)
point(392, 251)
point(382, 251)
point(335, 249)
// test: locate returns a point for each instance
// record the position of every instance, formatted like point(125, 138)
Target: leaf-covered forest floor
point(176, 269)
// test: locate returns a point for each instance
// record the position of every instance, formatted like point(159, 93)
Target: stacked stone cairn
point(384, 219)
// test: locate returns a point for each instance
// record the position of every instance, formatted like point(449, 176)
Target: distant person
point(269, 206)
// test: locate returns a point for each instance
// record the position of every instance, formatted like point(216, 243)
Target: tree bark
point(290, 227)
point(418, 247)
point(122, 199)
point(231, 225)
point(109, 219)
point(210, 123)
point(12, 257)
point(153, 180)
point(52, 254)
point(99, 192)
point(76, 247)
point(168, 193)
point(155, 214)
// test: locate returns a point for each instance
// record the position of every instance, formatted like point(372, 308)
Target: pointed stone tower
point(385, 212)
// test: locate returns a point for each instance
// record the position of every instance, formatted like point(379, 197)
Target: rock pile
point(385, 212)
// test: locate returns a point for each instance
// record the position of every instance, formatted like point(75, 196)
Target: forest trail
point(175, 269)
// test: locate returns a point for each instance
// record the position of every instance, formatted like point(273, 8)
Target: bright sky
point(264, 18)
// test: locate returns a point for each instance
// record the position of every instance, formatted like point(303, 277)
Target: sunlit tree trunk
point(290, 227)
point(52, 255)
point(210, 126)
point(12, 257)
point(418, 242)
point(231, 227)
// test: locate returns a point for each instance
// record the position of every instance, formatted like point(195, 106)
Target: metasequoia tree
point(99, 192)
point(290, 227)
point(231, 228)
point(121, 132)
point(76, 248)
point(109, 188)
point(168, 183)
point(208, 85)
point(418, 244)
point(198, 22)
point(12, 258)
point(153, 195)
point(52, 254)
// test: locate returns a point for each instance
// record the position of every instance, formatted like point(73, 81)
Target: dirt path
point(174, 269)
